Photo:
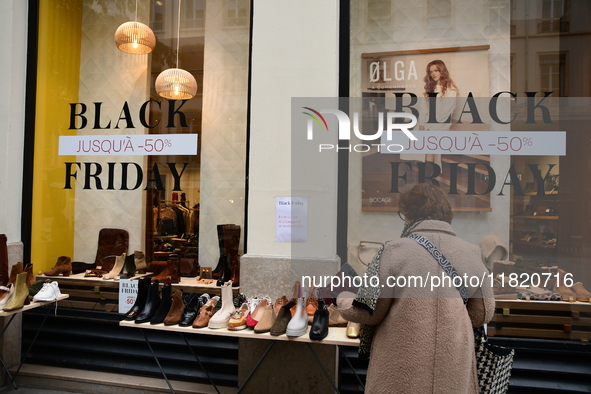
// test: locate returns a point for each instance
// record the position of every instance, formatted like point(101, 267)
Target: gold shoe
point(353, 329)
point(19, 297)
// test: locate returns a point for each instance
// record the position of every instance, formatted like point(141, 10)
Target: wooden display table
point(542, 319)
point(12, 315)
point(337, 336)
point(101, 294)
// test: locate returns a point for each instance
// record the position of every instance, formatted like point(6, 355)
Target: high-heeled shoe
point(119, 262)
point(353, 329)
point(62, 266)
point(21, 293)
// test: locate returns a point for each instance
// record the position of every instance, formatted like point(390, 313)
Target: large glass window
point(536, 202)
point(158, 169)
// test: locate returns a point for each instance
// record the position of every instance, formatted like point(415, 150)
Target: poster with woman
point(439, 86)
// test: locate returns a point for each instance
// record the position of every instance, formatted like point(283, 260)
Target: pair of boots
point(146, 303)
point(126, 266)
point(228, 267)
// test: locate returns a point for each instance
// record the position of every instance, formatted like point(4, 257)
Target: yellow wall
point(58, 74)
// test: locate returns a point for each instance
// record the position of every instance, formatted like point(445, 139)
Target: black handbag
point(493, 363)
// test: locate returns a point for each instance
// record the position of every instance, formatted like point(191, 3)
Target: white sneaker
point(49, 292)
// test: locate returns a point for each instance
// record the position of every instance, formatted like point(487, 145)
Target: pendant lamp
point(135, 37)
point(176, 83)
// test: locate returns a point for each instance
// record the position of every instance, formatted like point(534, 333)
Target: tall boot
point(21, 293)
point(232, 244)
point(225, 271)
point(152, 304)
point(3, 260)
point(217, 272)
point(172, 270)
point(143, 287)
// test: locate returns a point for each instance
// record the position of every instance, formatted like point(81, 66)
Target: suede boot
point(3, 260)
point(62, 266)
point(177, 307)
point(171, 271)
point(14, 271)
point(31, 279)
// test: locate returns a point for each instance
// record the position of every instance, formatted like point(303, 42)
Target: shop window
point(148, 157)
point(553, 74)
point(236, 13)
point(554, 17)
point(193, 15)
point(379, 19)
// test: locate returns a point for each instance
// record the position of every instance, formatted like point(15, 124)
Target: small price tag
point(127, 294)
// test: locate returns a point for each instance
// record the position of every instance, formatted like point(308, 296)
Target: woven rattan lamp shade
point(135, 37)
point(176, 84)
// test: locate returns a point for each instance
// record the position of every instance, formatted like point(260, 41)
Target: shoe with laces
point(49, 292)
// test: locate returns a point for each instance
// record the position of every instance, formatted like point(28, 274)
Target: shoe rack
point(542, 319)
point(103, 295)
point(535, 216)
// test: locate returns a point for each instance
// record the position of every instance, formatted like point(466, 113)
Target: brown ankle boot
point(171, 271)
point(30, 275)
point(62, 266)
point(14, 271)
point(3, 260)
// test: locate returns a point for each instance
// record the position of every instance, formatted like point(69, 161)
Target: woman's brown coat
point(424, 341)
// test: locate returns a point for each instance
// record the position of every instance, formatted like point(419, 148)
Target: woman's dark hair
point(423, 201)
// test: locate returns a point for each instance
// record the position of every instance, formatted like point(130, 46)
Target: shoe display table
point(542, 319)
point(101, 294)
point(336, 336)
point(12, 315)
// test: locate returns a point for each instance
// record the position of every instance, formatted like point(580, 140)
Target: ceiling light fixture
point(135, 37)
point(176, 83)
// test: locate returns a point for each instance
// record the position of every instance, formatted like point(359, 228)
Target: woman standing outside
point(421, 339)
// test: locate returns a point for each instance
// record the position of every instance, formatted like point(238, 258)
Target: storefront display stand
point(12, 315)
point(336, 336)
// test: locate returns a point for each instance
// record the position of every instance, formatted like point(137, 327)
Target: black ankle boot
point(164, 307)
point(152, 304)
point(143, 287)
point(128, 269)
point(319, 329)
